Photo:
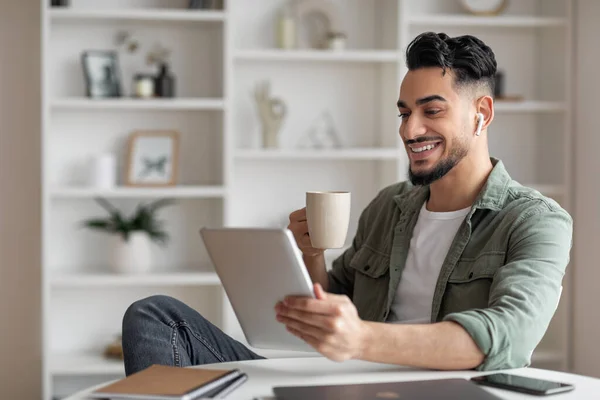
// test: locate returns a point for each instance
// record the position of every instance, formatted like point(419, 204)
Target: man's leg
point(163, 330)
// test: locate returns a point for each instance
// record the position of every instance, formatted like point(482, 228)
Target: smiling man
point(460, 267)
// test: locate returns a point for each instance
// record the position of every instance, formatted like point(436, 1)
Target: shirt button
point(470, 275)
point(367, 268)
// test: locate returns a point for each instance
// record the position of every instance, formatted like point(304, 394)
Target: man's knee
point(145, 309)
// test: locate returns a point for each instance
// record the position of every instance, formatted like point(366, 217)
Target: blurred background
point(177, 114)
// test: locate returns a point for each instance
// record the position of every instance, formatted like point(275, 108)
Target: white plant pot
point(133, 256)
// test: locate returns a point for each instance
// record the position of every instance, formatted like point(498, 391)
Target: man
point(459, 268)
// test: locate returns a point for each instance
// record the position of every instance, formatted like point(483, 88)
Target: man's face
point(435, 124)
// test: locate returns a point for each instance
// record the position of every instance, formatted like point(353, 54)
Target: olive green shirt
point(501, 279)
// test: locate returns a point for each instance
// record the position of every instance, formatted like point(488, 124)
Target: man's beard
point(444, 166)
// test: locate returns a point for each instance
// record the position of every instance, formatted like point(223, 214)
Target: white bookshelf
point(227, 178)
point(319, 154)
point(137, 15)
point(369, 56)
point(488, 22)
point(84, 364)
point(135, 104)
point(106, 279)
point(530, 106)
point(180, 192)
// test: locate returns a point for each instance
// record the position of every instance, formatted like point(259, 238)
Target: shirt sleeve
point(525, 291)
point(341, 275)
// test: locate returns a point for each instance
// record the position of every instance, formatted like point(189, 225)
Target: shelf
point(500, 22)
point(127, 192)
point(108, 279)
point(319, 55)
point(182, 104)
point(137, 15)
point(355, 153)
point(81, 364)
point(529, 106)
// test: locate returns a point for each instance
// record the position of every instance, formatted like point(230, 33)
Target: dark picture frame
point(102, 73)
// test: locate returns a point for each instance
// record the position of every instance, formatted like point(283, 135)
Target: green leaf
point(106, 205)
point(99, 224)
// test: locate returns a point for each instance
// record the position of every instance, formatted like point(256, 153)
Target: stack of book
point(160, 382)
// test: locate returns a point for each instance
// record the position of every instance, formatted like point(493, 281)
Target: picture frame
point(102, 73)
point(152, 159)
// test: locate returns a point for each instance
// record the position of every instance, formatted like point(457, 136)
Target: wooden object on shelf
point(115, 349)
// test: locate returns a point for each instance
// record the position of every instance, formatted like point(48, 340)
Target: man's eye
point(432, 112)
point(403, 115)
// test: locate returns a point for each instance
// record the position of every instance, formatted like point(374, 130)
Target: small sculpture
point(271, 111)
point(322, 134)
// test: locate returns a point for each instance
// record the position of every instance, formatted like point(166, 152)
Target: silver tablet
point(259, 267)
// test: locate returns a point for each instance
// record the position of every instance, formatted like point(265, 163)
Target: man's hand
point(329, 323)
point(299, 227)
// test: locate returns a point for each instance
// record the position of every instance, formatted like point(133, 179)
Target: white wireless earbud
point(480, 118)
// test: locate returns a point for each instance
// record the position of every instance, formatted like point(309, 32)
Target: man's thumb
point(319, 292)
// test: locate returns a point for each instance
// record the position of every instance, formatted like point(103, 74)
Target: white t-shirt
point(430, 242)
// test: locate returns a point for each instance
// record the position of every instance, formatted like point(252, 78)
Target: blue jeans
point(163, 330)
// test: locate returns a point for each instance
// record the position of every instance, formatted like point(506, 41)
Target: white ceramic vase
point(132, 256)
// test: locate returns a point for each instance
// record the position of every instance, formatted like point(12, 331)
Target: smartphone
point(523, 384)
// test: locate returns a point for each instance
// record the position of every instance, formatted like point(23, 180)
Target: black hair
point(471, 61)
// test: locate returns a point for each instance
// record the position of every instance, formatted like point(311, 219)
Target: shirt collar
point(491, 197)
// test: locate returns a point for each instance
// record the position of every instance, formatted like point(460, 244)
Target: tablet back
point(259, 267)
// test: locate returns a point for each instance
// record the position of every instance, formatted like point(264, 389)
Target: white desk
point(264, 374)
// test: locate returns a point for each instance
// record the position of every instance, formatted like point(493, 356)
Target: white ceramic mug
point(328, 216)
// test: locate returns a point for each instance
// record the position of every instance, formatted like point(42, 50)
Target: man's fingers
point(298, 215)
point(332, 306)
point(320, 321)
point(305, 242)
point(314, 342)
point(305, 329)
point(319, 292)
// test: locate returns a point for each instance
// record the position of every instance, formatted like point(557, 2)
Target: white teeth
point(424, 148)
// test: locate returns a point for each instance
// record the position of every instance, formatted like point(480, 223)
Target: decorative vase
point(132, 256)
point(164, 82)
point(286, 29)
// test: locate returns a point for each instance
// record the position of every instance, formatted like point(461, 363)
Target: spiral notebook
point(160, 382)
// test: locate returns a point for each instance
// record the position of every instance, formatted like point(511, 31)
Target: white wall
point(20, 343)
point(587, 182)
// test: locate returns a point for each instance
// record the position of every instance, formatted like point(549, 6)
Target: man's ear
point(484, 113)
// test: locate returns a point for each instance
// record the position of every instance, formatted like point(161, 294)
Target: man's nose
point(412, 127)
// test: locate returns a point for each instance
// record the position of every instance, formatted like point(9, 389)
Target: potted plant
point(132, 234)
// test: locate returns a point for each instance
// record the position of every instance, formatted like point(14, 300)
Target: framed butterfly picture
point(152, 159)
